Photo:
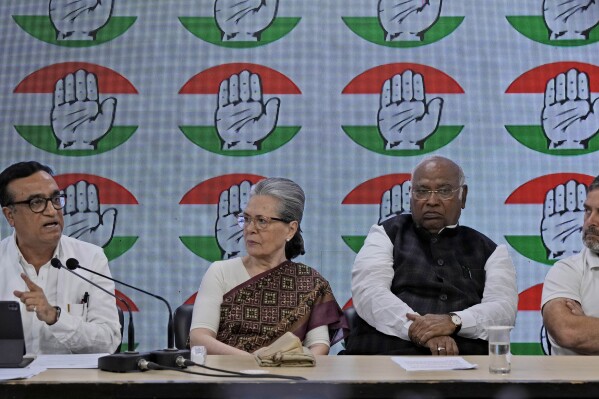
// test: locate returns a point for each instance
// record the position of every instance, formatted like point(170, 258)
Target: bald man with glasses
point(424, 285)
point(61, 313)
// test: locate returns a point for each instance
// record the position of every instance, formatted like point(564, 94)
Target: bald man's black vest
point(434, 273)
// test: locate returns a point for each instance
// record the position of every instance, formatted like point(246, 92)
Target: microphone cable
point(144, 365)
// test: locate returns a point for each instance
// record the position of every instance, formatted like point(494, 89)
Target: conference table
point(332, 377)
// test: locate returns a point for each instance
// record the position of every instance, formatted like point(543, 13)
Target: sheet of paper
point(79, 361)
point(432, 363)
point(20, 373)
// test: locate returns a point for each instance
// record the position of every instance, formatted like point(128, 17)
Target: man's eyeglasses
point(443, 193)
point(261, 222)
point(39, 204)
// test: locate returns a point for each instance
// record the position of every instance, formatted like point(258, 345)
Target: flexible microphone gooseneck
point(73, 264)
point(164, 357)
point(182, 363)
point(131, 330)
point(119, 362)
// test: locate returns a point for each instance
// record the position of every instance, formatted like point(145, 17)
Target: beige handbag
point(286, 351)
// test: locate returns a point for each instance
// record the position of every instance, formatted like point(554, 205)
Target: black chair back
point(182, 322)
point(350, 315)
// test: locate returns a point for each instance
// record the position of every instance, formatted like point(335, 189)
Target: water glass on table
point(500, 356)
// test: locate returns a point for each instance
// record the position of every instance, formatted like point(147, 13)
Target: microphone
point(119, 362)
point(163, 357)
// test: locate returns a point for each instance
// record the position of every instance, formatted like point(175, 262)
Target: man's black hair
point(15, 171)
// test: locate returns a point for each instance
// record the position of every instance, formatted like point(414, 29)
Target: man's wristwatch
point(457, 322)
point(58, 310)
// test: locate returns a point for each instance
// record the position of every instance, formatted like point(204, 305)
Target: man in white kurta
point(61, 313)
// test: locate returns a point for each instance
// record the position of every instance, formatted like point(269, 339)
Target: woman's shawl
point(290, 297)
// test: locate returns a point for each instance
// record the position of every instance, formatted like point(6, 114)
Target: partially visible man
point(423, 284)
point(61, 313)
point(571, 289)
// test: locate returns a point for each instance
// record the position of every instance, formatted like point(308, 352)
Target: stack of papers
point(83, 361)
point(16, 374)
point(432, 363)
point(44, 362)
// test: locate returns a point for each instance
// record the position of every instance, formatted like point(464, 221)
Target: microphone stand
point(164, 357)
point(117, 362)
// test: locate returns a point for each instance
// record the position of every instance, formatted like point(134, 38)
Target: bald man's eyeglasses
point(443, 193)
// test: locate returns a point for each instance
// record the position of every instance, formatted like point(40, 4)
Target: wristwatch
point(457, 322)
point(58, 310)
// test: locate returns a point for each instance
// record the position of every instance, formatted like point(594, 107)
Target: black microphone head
point(55, 262)
point(72, 263)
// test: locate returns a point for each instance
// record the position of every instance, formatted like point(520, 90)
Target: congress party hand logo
point(390, 192)
point(246, 20)
point(80, 123)
point(79, 120)
point(407, 20)
point(571, 20)
point(395, 201)
point(407, 124)
point(79, 20)
point(241, 24)
point(231, 203)
point(561, 199)
point(82, 217)
point(562, 23)
point(570, 120)
point(76, 23)
point(230, 194)
point(404, 23)
point(88, 217)
point(569, 117)
point(245, 121)
point(405, 119)
point(561, 225)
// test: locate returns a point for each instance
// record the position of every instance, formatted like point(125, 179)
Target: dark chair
point(350, 315)
point(182, 323)
point(544, 340)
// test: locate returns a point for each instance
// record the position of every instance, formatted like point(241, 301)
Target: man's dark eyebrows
point(32, 196)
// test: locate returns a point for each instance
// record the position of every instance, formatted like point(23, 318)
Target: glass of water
point(500, 357)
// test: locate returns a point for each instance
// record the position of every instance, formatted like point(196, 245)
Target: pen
point(85, 299)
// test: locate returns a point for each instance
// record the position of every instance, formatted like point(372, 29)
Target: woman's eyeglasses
point(261, 222)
